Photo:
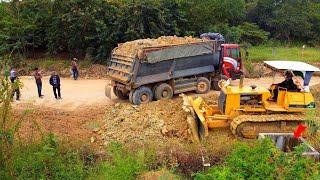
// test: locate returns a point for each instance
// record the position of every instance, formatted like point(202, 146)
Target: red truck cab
point(231, 62)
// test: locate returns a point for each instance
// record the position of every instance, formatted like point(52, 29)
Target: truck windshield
point(235, 53)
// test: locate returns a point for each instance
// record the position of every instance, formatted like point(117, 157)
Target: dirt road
point(87, 92)
point(75, 94)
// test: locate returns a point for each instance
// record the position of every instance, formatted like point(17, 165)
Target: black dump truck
point(156, 73)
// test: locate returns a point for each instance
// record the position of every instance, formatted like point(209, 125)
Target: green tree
point(251, 33)
point(291, 20)
point(201, 15)
point(23, 25)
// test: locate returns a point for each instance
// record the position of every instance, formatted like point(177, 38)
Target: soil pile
point(315, 90)
point(157, 121)
point(315, 139)
point(94, 71)
point(132, 48)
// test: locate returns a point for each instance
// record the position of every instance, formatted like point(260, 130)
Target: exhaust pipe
point(241, 81)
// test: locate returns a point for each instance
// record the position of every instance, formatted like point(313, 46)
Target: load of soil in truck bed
point(132, 47)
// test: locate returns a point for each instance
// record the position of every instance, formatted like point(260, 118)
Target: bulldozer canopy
point(298, 68)
point(291, 66)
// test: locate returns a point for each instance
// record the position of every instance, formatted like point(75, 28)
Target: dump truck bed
point(160, 63)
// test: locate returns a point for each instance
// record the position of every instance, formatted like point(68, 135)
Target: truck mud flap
point(108, 91)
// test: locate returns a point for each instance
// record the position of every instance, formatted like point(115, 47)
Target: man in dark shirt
point(38, 77)
point(288, 84)
point(55, 83)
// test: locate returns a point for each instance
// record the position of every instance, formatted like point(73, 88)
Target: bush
point(263, 161)
point(124, 164)
point(47, 160)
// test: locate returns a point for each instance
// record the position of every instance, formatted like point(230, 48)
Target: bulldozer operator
point(287, 84)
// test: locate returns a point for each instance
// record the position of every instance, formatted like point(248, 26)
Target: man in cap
point(38, 77)
point(288, 84)
point(74, 64)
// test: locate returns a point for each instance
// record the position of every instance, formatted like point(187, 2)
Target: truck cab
point(231, 62)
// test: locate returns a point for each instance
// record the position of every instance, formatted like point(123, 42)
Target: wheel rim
point(144, 97)
point(165, 93)
point(202, 86)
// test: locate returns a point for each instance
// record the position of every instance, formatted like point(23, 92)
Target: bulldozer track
point(264, 120)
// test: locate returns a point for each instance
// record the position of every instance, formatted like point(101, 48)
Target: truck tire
point(163, 91)
point(130, 96)
point(142, 95)
point(154, 88)
point(119, 94)
point(217, 84)
point(203, 85)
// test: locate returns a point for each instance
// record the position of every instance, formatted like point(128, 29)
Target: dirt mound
point(131, 48)
point(317, 64)
point(96, 70)
point(156, 121)
point(315, 139)
point(315, 89)
point(256, 70)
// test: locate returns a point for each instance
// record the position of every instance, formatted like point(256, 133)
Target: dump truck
point(142, 72)
point(249, 111)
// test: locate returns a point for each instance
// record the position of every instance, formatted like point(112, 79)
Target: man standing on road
point(55, 83)
point(38, 77)
point(74, 64)
point(16, 89)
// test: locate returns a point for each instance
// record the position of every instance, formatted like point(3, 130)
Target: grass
point(122, 165)
point(51, 159)
point(262, 53)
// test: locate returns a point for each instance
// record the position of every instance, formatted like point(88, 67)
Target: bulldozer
point(249, 111)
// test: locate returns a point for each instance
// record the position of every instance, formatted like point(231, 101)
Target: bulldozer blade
point(108, 91)
point(195, 119)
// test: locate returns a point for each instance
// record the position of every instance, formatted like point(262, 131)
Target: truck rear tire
point(154, 88)
point(203, 85)
point(119, 94)
point(217, 84)
point(163, 91)
point(142, 95)
point(130, 96)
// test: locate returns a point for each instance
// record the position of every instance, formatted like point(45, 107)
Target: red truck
point(231, 63)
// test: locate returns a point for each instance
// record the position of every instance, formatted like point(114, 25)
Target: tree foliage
point(92, 28)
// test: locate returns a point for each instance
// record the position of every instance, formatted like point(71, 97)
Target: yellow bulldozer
point(249, 111)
